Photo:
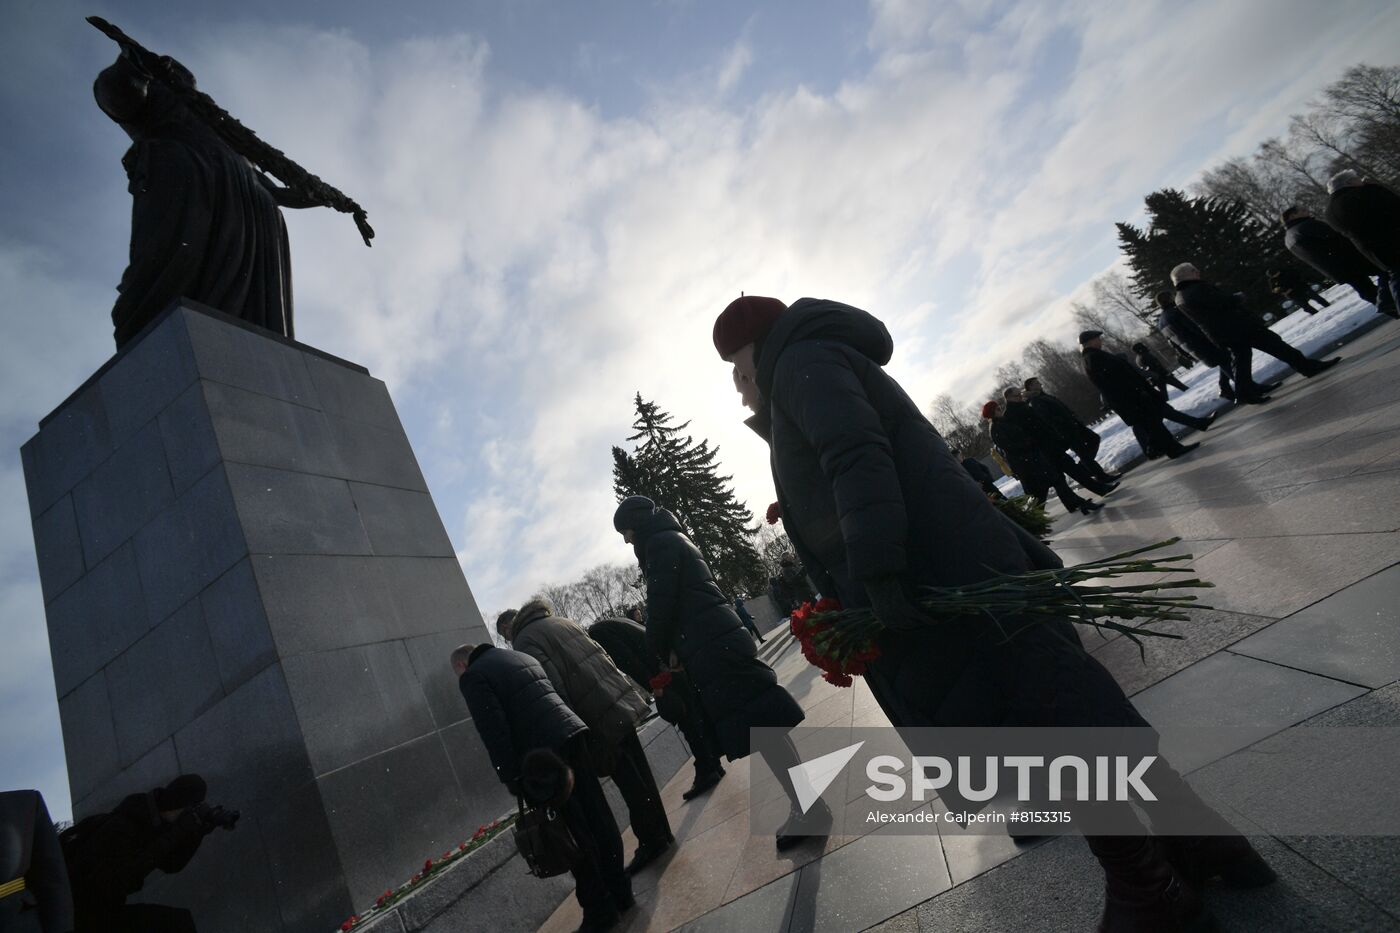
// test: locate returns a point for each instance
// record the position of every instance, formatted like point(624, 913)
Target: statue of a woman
point(205, 224)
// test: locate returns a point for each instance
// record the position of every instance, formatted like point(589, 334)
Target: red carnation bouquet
point(660, 682)
point(843, 642)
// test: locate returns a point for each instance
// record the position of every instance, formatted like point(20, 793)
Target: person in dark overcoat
point(610, 706)
point(1035, 469)
point(1369, 215)
point(1126, 390)
point(518, 714)
point(1173, 322)
point(1077, 435)
point(1289, 285)
point(1332, 254)
point(1222, 316)
point(1086, 472)
point(978, 471)
point(691, 625)
point(677, 702)
point(875, 505)
point(1155, 370)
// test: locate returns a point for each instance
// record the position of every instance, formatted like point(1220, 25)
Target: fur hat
point(632, 511)
point(747, 320)
point(1185, 272)
point(1346, 178)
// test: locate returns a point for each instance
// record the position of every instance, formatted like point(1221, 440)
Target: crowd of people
point(875, 505)
point(1031, 431)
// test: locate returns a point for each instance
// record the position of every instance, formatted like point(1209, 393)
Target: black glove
point(893, 605)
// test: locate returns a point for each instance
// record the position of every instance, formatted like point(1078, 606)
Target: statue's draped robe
point(204, 224)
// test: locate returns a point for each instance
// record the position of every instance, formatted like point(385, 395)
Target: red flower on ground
point(775, 512)
point(462, 847)
point(349, 923)
point(427, 865)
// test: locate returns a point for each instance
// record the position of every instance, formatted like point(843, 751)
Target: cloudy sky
point(566, 194)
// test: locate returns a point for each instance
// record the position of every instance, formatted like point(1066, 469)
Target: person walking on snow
point(1126, 390)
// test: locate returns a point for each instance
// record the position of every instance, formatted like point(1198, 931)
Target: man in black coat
point(1126, 390)
point(1225, 320)
point(876, 505)
point(1086, 472)
point(1369, 215)
point(1336, 257)
point(1175, 324)
point(517, 711)
point(676, 702)
point(1155, 370)
point(1033, 466)
point(34, 893)
point(1290, 286)
point(691, 625)
point(1077, 435)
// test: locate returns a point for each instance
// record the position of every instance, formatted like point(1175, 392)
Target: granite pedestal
point(245, 576)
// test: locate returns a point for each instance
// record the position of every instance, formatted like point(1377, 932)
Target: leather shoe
point(702, 784)
point(645, 855)
point(1182, 451)
point(1089, 508)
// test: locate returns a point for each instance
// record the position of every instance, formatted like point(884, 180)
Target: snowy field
point(1311, 333)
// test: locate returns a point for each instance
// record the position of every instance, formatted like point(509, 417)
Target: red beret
point(989, 410)
point(746, 320)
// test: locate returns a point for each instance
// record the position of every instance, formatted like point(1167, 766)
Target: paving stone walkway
point(1293, 511)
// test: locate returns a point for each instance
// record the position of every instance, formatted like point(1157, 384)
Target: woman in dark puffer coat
point(876, 504)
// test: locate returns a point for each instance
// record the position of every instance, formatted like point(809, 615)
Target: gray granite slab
point(74, 441)
point(351, 395)
point(89, 735)
point(295, 513)
point(484, 797)
point(768, 908)
point(429, 655)
point(189, 545)
point(430, 593)
point(237, 624)
point(234, 356)
point(869, 881)
point(264, 431)
point(59, 548)
point(372, 454)
point(401, 523)
point(249, 746)
point(147, 377)
point(95, 619)
point(1254, 697)
point(1353, 635)
point(162, 682)
point(1279, 576)
point(125, 492)
point(320, 602)
point(355, 702)
point(156, 768)
point(191, 447)
point(303, 858)
point(1206, 632)
point(406, 808)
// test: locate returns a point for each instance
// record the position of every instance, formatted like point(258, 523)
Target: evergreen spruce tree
point(1221, 238)
point(681, 474)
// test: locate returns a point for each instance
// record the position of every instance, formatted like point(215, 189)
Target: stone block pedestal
point(245, 577)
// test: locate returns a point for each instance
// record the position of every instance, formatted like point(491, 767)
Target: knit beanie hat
point(745, 321)
point(1185, 273)
point(989, 410)
point(185, 791)
point(632, 511)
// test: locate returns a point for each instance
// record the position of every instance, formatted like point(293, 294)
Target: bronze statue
point(205, 221)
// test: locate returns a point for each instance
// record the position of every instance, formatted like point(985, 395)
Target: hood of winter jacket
point(532, 611)
point(821, 319)
point(660, 520)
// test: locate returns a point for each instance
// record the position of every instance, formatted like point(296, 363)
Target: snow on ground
point(1310, 333)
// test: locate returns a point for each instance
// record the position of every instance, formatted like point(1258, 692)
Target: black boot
point(1319, 366)
point(1142, 892)
point(648, 853)
point(1089, 508)
point(814, 824)
point(703, 783)
point(1230, 858)
point(599, 921)
point(1181, 450)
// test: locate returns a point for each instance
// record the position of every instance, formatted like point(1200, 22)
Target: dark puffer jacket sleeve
point(824, 397)
point(493, 724)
